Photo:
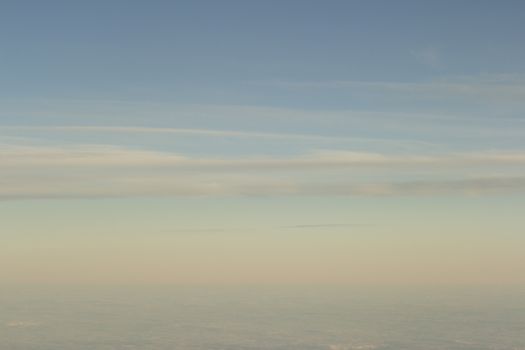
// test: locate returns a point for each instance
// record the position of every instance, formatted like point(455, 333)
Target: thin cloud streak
point(185, 187)
point(152, 130)
point(107, 171)
point(111, 156)
point(210, 133)
point(471, 186)
point(494, 88)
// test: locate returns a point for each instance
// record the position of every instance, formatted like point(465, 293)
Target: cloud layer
point(108, 171)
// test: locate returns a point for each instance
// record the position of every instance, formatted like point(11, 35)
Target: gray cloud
point(175, 186)
point(471, 186)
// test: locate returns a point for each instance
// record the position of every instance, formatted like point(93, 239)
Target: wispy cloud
point(107, 171)
point(179, 131)
point(494, 88)
point(429, 56)
point(392, 124)
point(112, 156)
point(242, 134)
point(175, 186)
point(470, 186)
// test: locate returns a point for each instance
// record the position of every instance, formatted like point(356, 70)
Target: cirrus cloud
point(108, 171)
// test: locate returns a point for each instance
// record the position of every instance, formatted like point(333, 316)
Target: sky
point(262, 142)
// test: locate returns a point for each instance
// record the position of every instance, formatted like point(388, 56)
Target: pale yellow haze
point(244, 240)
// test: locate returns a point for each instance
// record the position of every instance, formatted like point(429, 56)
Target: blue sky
point(409, 107)
point(140, 64)
point(201, 51)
